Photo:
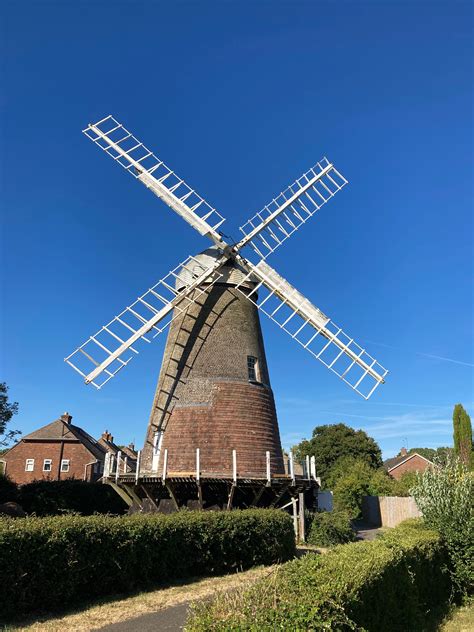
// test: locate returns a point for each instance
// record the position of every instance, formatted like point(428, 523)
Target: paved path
point(170, 619)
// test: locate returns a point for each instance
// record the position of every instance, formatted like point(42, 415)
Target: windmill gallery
point(213, 438)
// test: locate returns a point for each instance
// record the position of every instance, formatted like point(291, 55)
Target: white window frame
point(66, 462)
point(29, 462)
point(252, 366)
point(50, 461)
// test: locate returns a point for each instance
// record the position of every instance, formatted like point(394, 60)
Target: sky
point(240, 98)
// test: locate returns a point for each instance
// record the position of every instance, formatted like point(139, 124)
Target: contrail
point(420, 353)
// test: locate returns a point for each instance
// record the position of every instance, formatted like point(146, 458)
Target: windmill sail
point(108, 351)
point(113, 138)
point(279, 219)
point(312, 329)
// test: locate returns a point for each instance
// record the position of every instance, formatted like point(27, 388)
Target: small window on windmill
point(252, 369)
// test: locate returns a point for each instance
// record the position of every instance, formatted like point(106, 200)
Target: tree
point(7, 410)
point(462, 432)
point(331, 442)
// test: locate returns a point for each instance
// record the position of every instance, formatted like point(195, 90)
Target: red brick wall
point(415, 464)
point(77, 454)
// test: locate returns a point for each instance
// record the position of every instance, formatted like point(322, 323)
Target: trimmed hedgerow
point(330, 527)
point(48, 563)
point(385, 584)
point(50, 498)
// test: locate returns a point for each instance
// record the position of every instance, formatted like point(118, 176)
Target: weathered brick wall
point(415, 464)
point(77, 454)
point(204, 398)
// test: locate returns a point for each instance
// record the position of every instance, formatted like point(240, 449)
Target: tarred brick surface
point(204, 398)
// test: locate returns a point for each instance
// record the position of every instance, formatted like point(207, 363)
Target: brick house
point(413, 462)
point(55, 452)
point(106, 441)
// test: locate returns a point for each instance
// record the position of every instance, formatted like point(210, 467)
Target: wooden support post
point(258, 495)
point(149, 496)
point(124, 495)
point(295, 516)
point(234, 466)
point(198, 464)
point(173, 497)
point(279, 496)
point(107, 465)
point(137, 471)
point(313, 467)
point(269, 472)
point(199, 488)
point(301, 517)
point(292, 468)
point(165, 465)
point(125, 462)
point(308, 468)
point(231, 496)
point(117, 469)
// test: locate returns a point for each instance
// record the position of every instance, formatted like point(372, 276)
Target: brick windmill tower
point(213, 417)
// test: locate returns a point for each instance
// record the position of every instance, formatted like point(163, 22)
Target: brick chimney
point(66, 417)
point(106, 436)
point(403, 452)
point(132, 446)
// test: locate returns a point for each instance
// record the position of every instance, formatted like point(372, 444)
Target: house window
point(29, 465)
point(252, 369)
point(47, 463)
point(65, 465)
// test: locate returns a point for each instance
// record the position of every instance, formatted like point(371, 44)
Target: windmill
point(213, 409)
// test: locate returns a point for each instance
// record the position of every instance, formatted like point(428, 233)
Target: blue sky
point(240, 99)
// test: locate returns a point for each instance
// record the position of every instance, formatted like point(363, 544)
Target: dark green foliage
point(432, 454)
point(330, 527)
point(7, 410)
point(394, 583)
point(49, 498)
point(351, 479)
point(462, 431)
point(330, 443)
point(54, 562)
point(8, 490)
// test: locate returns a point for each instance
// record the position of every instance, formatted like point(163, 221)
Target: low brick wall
point(388, 511)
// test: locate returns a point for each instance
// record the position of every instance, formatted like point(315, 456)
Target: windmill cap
point(230, 273)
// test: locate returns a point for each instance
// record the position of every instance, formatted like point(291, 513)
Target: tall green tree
point(331, 442)
point(7, 410)
point(462, 433)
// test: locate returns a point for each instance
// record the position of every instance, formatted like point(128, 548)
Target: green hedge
point(48, 563)
point(50, 498)
point(393, 583)
point(326, 528)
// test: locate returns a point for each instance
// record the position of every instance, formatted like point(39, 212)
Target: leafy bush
point(52, 562)
point(445, 496)
point(378, 585)
point(8, 490)
point(330, 527)
point(49, 498)
point(352, 479)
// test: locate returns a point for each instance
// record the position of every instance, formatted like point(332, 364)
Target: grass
point(106, 611)
point(460, 620)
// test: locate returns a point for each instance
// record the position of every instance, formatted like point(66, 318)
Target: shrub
point(378, 585)
point(352, 479)
point(8, 490)
point(330, 527)
point(52, 562)
point(445, 496)
point(49, 498)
